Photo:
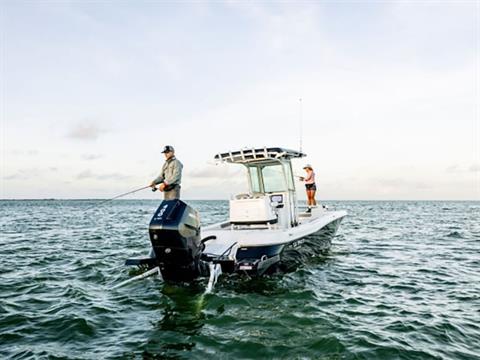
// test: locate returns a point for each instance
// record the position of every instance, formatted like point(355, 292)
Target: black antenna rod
point(301, 123)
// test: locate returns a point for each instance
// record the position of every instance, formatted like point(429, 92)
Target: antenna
point(300, 122)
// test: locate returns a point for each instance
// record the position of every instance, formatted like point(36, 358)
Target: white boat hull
point(256, 250)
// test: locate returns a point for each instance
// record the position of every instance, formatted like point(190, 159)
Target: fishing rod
point(118, 196)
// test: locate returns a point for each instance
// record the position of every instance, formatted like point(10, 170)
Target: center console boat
point(260, 225)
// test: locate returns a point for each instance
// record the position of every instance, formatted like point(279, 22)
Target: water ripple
point(400, 281)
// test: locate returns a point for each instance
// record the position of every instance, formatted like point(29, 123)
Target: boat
point(261, 224)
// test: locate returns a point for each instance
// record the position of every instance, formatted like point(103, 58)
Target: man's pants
point(172, 194)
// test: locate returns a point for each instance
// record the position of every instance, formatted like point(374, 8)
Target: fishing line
point(118, 196)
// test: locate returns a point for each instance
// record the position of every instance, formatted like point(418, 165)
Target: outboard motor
point(175, 236)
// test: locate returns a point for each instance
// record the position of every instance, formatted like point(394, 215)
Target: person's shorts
point(311, 187)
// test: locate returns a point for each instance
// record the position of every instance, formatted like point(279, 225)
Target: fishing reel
point(166, 188)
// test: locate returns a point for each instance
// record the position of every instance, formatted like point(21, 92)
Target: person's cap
point(308, 166)
point(168, 148)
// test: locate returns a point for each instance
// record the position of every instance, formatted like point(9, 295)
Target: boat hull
point(261, 256)
point(250, 251)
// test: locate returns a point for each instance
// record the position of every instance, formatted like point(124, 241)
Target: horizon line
point(144, 199)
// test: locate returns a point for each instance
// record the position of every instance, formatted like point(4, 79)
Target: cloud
point(18, 175)
point(455, 169)
point(91, 156)
point(24, 152)
point(452, 169)
point(24, 174)
point(474, 168)
point(88, 174)
point(86, 131)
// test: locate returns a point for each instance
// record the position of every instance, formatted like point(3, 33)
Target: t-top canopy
point(257, 155)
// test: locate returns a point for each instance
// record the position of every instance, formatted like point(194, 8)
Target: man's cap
point(308, 166)
point(168, 148)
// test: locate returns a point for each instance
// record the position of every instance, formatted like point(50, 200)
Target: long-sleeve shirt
point(171, 173)
point(310, 178)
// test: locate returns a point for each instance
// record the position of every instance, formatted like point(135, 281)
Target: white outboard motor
point(175, 236)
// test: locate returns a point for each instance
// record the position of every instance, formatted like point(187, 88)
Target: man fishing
point(170, 177)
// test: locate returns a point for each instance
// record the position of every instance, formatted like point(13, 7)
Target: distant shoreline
point(325, 200)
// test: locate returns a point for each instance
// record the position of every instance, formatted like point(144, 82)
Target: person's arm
point(309, 177)
point(176, 175)
point(160, 178)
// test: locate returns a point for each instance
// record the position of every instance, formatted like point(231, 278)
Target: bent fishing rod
point(119, 196)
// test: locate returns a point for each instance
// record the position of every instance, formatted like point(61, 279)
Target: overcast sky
point(92, 91)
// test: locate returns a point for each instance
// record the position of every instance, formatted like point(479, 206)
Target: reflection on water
point(182, 305)
point(182, 318)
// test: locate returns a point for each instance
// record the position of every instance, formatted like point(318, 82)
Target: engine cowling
point(176, 242)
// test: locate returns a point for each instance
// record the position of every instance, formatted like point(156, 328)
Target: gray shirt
point(171, 172)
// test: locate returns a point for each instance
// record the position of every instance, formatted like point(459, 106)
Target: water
point(401, 281)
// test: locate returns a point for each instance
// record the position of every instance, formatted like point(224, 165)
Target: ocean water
point(400, 281)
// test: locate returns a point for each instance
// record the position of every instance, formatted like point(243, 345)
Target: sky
point(92, 91)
